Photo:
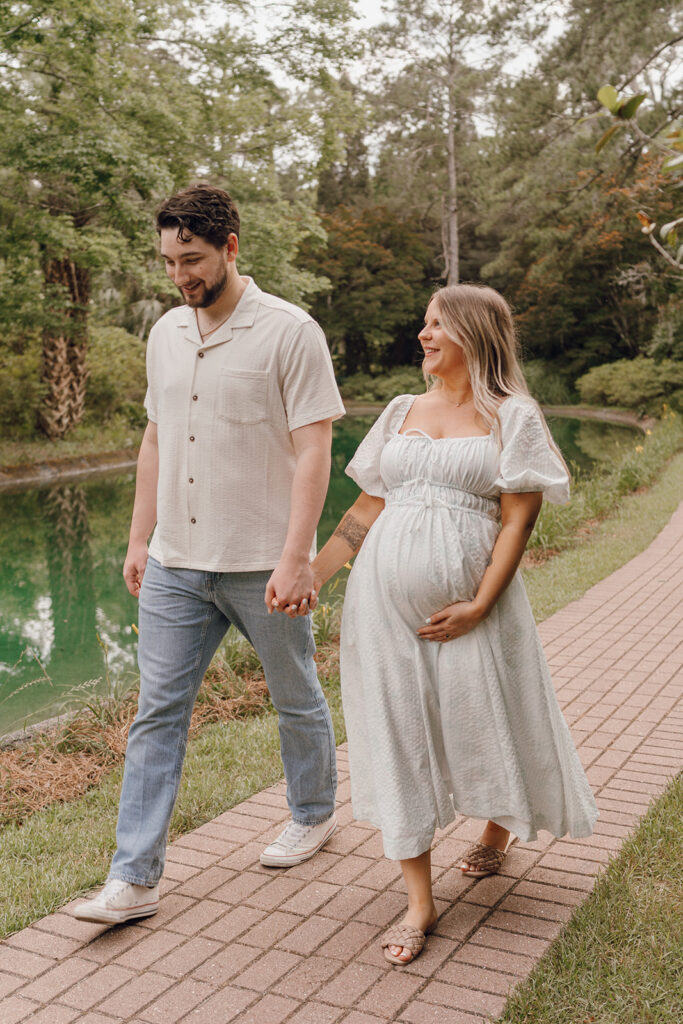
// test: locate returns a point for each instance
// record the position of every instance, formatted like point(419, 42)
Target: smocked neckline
point(423, 434)
point(428, 437)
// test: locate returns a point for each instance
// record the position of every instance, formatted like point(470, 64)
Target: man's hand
point(291, 588)
point(134, 567)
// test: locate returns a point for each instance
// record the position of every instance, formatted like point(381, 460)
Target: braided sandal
point(403, 935)
point(487, 860)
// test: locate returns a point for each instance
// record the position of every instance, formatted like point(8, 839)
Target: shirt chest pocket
point(243, 396)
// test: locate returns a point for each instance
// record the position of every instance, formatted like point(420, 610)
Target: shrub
point(403, 380)
point(117, 381)
point(546, 384)
point(21, 391)
point(667, 336)
point(638, 383)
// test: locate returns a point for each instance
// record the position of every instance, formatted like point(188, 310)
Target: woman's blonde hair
point(479, 319)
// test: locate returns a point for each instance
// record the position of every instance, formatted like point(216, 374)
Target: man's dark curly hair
point(203, 211)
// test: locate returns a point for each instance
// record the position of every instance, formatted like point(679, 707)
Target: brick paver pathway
point(237, 942)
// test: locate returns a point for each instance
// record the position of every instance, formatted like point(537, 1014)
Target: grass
point(607, 545)
point(54, 853)
point(595, 494)
point(65, 761)
point(85, 440)
point(66, 848)
point(620, 959)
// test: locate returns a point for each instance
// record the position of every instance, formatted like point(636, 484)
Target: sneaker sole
point(298, 858)
point(101, 916)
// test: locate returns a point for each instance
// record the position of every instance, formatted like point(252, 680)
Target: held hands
point(292, 589)
point(453, 621)
point(134, 567)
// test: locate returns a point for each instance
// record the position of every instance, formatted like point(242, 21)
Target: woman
point(447, 697)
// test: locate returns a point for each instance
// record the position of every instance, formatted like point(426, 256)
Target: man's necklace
point(205, 334)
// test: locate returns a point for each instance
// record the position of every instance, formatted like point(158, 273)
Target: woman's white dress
point(471, 725)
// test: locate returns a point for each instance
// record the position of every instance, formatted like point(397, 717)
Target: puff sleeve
point(527, 460)
point(364, 466)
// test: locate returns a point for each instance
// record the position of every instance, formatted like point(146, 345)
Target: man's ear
point(232, 246)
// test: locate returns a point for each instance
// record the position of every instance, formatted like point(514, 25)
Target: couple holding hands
point(448, 701)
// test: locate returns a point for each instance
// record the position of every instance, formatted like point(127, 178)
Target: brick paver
point(236, 942)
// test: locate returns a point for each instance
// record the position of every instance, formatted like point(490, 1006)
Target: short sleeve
point(309, 390)
point(528, 460)
point(364, 466)
point(150, 397)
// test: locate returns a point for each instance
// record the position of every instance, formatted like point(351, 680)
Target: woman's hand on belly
point(452, 621)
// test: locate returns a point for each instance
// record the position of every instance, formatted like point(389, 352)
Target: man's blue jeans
point(184, 615)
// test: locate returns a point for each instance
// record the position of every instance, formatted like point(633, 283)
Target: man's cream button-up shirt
point(224, 412)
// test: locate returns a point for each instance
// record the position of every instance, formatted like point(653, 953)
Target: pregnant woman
point(447, 697)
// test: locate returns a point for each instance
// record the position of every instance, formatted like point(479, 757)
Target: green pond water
point(66, 618)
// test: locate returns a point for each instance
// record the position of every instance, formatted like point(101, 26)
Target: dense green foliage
point(371, 163)
point(638, 383)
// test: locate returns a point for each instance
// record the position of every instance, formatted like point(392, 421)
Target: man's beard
point(209, 295)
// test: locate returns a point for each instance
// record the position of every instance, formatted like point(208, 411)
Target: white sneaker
point(119, 901)
point(297, 843)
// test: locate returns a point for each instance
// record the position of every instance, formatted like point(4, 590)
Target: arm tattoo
point(352, 531)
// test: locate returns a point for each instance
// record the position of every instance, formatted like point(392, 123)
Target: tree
point(664, 149)
point(81, 155)
point(425, 108)
point(580, 280)
point(104, 108)
point(378, 268)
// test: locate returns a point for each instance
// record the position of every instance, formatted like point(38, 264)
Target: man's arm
point(144, 510)
point(292, 578)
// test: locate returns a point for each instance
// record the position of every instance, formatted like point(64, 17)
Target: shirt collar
point(243, 315)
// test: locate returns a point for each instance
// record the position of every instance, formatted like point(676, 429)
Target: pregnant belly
point(422, 560)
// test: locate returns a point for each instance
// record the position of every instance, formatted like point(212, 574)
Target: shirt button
point(191, 479)
point(191, 437)
point(193, 520)
point(200, 355)
point(195, 397)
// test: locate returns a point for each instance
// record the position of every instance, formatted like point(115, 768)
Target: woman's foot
point(422, 917)
point(496, 838)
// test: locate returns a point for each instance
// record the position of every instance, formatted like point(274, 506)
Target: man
point(233, 471)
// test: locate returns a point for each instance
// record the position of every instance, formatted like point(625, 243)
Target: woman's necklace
point(457, 405)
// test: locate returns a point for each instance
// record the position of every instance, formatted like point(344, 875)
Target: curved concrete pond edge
point(43, 474)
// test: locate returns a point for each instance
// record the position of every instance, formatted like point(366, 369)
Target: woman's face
point(443, 356)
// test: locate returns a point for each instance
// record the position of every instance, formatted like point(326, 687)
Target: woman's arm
point(518, 515)
point(347, 538)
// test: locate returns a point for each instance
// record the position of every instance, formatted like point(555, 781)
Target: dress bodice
point(525, 460)
point(453, 472)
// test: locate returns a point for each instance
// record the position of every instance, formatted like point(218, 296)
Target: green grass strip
point(65, 849)
point(620, 958)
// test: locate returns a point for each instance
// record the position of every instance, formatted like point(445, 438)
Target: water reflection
point(65, 614)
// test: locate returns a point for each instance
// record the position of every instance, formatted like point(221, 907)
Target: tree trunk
point(356, 355)
point(453, 255)
point(64, 350)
